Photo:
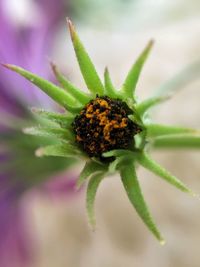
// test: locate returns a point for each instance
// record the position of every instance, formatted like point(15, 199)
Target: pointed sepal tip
point(71, 27)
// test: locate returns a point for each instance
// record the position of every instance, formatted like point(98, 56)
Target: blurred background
point(114, 32)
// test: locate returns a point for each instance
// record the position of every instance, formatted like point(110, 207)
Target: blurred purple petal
point(15, 248)
point(8, 103)
point(63, 185)
point(29, 47)
point(26, 45)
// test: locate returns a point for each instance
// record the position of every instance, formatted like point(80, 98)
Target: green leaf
point(132, 187)
point(69, 87)
point(91, 194)
point(128, 88)
point(87, 68)
point(55, 92)
point(145, 105)
point(155, 130)
point(60, 133)
point(64, 150)
point(90, 168)
point(177, 141)
point(64, 120)
point(110, 90)
point(154, 167)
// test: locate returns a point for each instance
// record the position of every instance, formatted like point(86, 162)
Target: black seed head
point(103, 125)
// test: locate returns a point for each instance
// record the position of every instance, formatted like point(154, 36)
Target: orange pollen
point(103, 125)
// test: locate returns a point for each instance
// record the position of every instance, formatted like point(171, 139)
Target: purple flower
point(28, 46)
point(15, 246)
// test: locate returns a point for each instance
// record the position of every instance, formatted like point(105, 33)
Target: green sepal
point(109, 88)
point(155, 130)
point(114, 164)
point(154, 167)
point(118, 162)
point(177, 141)
point(166, 91)
point(128, 88)
point(133, 190)
point(59, 133)
point(118, 153)
point(55, 92)
point(180, 80)
point(122, 156)
point(90, 168)
point(63, 150)
point(87, 68)
point(93, 185)
point(24, 163)
point(80, 96)
point(145, 105)
point(64, 120)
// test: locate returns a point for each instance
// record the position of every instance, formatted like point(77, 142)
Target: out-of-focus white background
point(114, 32)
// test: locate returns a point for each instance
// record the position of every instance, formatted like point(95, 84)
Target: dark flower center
point(103, 125)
